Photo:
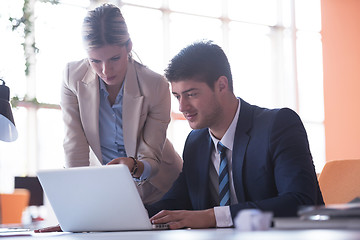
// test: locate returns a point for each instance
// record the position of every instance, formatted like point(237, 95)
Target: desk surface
point(208, 234)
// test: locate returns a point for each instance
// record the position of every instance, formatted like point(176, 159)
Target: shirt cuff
point(147, 170)
point(223, 216)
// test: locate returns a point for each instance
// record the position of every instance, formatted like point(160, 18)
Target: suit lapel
point(203, 176)
point(89, 100)
point(241, 141)
point(196, 167)
point(132, 105)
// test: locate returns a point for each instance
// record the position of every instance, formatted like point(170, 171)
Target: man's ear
point(222, 83)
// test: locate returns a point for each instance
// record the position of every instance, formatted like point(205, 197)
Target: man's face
point(198, 103)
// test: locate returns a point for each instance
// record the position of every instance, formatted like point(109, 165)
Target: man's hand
point(183, 218)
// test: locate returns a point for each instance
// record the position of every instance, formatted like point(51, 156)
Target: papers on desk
point(348, 210)
point(335, 216)
point(23, 232)
point(253, 220)
point(298, 223)
point(14, 232)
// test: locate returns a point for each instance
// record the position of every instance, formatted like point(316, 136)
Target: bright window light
point(275, 53)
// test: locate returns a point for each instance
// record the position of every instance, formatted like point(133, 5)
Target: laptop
point(93, 199)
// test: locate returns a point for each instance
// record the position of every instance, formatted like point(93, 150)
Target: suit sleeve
point(177, 198)
point(293, 174)
point(76, 147)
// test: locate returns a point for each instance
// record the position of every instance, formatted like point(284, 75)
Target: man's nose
point(183, 104)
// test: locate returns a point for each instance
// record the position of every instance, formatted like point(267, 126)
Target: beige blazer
point(146, 115)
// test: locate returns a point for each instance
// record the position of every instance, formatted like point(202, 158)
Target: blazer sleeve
point(292, 170)
point(76, 147)
point(157, 118)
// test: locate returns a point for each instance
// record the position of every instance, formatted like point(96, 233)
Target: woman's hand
point(49, 229)
point(129, 162)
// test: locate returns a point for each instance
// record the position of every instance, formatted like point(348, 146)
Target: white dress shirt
point(222, 214)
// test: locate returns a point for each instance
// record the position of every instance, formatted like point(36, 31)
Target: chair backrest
point(12, 206)
point(340, 181)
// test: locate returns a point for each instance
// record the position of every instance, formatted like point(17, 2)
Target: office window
point(212, 8)
point(274, 48)
point(250, 50)
point(40, 127)
point(59, 41)
point(146, 35)
point(255, 11)
point(310, 75)
point(185, 29)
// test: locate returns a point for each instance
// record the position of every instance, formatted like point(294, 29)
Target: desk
point(207, 234)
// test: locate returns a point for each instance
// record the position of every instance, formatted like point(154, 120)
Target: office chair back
point(340, 181)
point(12, 206)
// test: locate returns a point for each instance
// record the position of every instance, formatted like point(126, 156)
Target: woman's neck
point(113, 91)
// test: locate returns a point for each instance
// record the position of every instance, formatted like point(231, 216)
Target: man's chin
point(195, 125)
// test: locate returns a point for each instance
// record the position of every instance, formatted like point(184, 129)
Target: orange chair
point(12, 206)
point(340, 181)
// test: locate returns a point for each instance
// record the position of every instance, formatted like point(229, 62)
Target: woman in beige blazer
point(145, 106)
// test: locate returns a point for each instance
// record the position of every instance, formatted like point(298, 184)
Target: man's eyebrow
point(189, 90)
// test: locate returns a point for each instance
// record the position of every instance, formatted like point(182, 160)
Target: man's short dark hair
point(203, 61)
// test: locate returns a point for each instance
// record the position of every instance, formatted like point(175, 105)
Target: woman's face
point(110, 63)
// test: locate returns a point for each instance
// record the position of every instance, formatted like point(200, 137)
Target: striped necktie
point(224, 189)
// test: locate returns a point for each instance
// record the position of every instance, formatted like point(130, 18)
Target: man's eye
point(94, 61)
point(192, 94)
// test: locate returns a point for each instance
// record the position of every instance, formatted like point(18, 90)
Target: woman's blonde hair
point(105, 25)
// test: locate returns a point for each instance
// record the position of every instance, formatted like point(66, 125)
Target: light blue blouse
point(110, 125)
point(111, 130)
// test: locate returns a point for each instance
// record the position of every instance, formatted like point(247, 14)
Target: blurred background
point(275, 47)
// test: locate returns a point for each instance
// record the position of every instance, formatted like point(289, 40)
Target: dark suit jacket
point(272, 166)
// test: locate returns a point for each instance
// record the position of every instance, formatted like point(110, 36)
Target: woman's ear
point(129, 46)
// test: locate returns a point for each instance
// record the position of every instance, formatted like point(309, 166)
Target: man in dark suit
point(268, 164)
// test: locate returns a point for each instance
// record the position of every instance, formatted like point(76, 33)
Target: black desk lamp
point(8, 132)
